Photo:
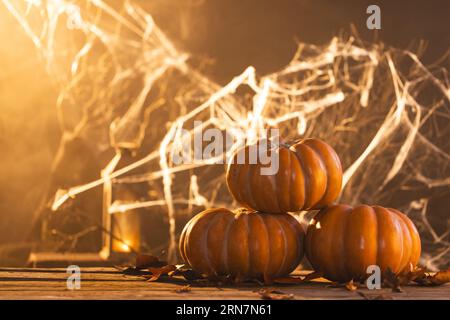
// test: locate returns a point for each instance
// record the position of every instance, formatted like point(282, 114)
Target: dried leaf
point(350, 286)
point(441, 277)
point(288, 280)
point(186, 272)
point(184, 289)
point(270, 294)
point(436, 279)
point(158, 272)
point(131, 271)
point(123, 268)
point(413, 274)
point(391, 280)
point(312, 276)
point(144, 261)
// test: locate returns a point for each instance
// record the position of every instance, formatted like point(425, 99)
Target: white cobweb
point(125, 87)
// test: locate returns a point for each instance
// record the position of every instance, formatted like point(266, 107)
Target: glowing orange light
point(124, 248)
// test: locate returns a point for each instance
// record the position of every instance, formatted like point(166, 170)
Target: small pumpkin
point(341, 241)
point(242, 243)
point(309, 177)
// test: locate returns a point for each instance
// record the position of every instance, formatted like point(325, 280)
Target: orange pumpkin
point(341, 241)
point(242, 243)
point(309, 176)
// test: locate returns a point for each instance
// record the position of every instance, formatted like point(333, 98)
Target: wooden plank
point(108, 283)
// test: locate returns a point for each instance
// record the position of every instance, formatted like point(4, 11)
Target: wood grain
point(109, 283)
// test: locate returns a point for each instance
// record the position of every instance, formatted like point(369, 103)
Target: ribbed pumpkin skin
point(341, 241)
point(309, 177)
point(242, 243)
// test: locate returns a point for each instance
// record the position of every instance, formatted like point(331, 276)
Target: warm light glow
point(124, 248)
point(325, 91)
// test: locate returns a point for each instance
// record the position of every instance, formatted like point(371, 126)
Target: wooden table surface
point(109, 283)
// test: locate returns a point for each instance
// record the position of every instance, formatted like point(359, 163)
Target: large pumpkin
point(341, 241)
point(309, 176)
point(242, 243)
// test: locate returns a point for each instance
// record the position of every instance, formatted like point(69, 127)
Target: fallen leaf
point(436, 279)
point(441, 277)
point(123, 268)
point(184, 289)
point(131, 271)
point(350, 286)
point(186, 273)
point(312, 276)
point(158, 272)
point(270, 294)
point(391, 280)
point(413, 274)
point(288, 280)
